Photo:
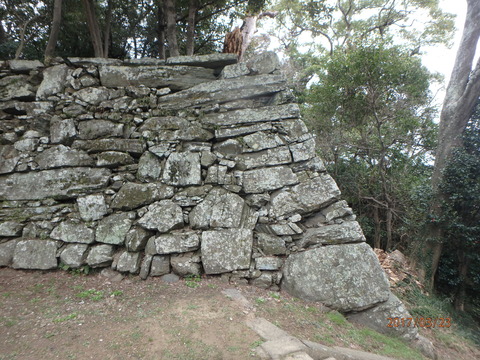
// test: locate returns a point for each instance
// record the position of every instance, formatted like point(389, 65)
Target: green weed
point(65, 318)
point(192, 281)
point(91, 294)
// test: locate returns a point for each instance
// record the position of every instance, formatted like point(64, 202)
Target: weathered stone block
point(182, 169)
point(7, 250)
point(346, 232)
point(136, 239)
point(305, 197)
point(10, 229)
point(268, 263)
point(62, 130)
point(73, 232)
point(93, 95)
point(265, 63)
point(24, 65)
point(186, 264)
point(9, 157)
point(58, 183)
point(212, 61)
point(267, 179)
point(92, 207)
point(54, 81)
point(271, 244)
point(129, 262)
point(234, 70)
point(94, 129)
point(149, 167)
point(16, 87)
point(162, 216)
point(74, 255)
point(100, 256)
point(219, 209)
point(176, 78)
point(376, 318)
point(175, 242)
point(248, 116)
point(261, 141)
point(35, 254)
point(62, 156)
point(131, 195)
point(303, 151)
point(344, 277)
point(113, 159)
point(226, 250)
point(132, 146)
point(160, 265)
point(269, 157)
point(113, 228)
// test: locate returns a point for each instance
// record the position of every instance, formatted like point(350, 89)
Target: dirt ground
point(60, 315)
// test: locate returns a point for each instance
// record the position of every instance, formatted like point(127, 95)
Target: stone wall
point(194, 166)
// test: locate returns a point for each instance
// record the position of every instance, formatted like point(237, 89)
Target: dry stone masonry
point(196, 165)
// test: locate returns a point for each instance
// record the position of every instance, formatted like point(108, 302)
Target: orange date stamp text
point(419, 322)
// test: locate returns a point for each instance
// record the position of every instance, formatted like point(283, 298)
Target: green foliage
point(192, 281)
point(91, 294)
point(459, 269)
point(371, 111)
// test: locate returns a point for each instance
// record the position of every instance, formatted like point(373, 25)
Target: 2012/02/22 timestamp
point(419, 322)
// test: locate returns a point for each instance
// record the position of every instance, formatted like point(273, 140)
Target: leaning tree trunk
point(170, 16)
point(93, 28)
point(192, 12)
point(108, 26)
point(161, 27)
point(461, 96)
point(54, 31)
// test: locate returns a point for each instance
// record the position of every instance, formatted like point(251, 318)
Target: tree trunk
point(388, 224)
point(54, 31)
point(192, 12)
point(463, 266)
point(460, 99)
point(161, 30)
point(108, 26)
point(248, 29)
point(377, 242)
point(170, 15)
point(23, 30)
point(93, 28)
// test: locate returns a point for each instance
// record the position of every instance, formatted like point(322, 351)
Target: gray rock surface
point(162, 216)
point(226, 250)
point(177, 78)
point(160, 265)
point(114, 159)
point(10, 228)
point(377, 318)
point(71, 231)
point(182, 169)
point(92, 207)
point(132, 146)
point(54, 81)
point(62, 130)
point(94, 129)
point(174, 242)
point(132, 195)
point(306, 197)
point(346, 232)
point(344, 277)
point(129, 262)
point(100, 256)
point(212, 61)
point(7, 250)
point(149, 167)
point(219, 209)
point(186, 264)
point(74, 255)
point(271, 244)
point(113, 229)
point(16, 87)
point(35, 254)
point(9, 157)
point(268, 179)
point(62, 156)
point(59, 183)
point(136, 239)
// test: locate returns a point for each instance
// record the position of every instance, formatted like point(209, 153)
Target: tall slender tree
point(461, 96)
point(54, 31)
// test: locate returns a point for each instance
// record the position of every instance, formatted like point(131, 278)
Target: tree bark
point(23, 30)
point(54, 31)
point(377, 242)
point(108, 26)
point(460, 99)
point(161, 30)
point(93, 28)
point(170, 15)
point(463, 266)
point(192, 13)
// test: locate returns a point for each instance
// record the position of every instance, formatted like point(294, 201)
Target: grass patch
point(91, 294)
point(192, 281)
point(65, 318)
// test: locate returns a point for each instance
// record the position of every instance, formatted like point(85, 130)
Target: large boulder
point(226, 250)
point(58, 183)
point(162, 216)
point(344, 277)
point(35, 254)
